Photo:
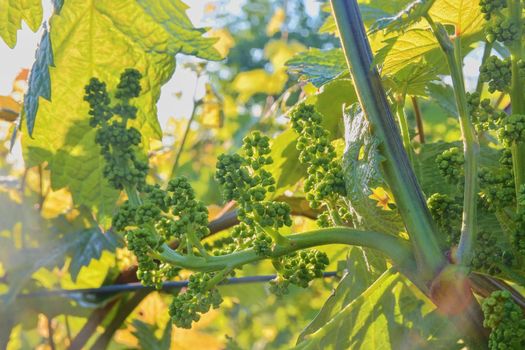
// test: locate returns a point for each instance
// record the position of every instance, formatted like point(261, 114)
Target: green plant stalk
point(403, 126)
point(397, 249)
point(452, 52)
point(133, 196)
point(516, 94)
point(396, 166)
point(419, 119)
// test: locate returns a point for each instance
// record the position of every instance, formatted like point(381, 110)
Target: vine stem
point(452, 51)
point(419, 119)
point(403, 125)
point(396, 167)
point(516, 94)
point(397, 249)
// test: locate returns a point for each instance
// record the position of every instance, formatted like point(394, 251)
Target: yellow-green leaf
point(100, 39)
point(13, 12)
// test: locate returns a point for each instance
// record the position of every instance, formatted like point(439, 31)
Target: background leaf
point(13, 12)
point(98, 39)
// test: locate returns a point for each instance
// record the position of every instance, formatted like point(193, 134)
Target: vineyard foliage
point(347, 150)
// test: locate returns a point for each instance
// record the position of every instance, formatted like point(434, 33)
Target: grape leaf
point(13, 12)
point(39, 80)
point(317, 66)
point(369, 13)
point(81, 246)
point(359, 275)
point(100, 39)
point(411, 80)
point(90, 245)
point(361, 167)
point(417, 43)
point(57, 4)
point(443, 96)
point(390, 314)
point(409, 15)
point(464, 15)
point(145, 334)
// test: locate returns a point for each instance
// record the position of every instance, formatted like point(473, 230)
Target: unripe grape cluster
point(497, 73)
point(496, 188)
point(490, 7)
point(512, 129)
point(501, 29)
point(325, 176)
point(200, 296)
point(483, 115)
point(118, 142)
point(446, 212)
point(506, 321)
point(162, 216)
point(298, 269)
point(519, 231)
point(244, 178)
point(488, 255)
point(450, 165)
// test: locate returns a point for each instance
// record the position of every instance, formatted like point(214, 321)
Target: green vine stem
point(452, 51)
point(397, 249)
point(419, 119)
point(403, 125)
point(516, 93)
point(396, 166)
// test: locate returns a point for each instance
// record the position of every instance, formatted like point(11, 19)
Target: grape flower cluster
point(497, 73)
point(484, 115)
point(450, 165)
point(506, 321)
point(325, 184)
point(118, 142)
point(446, 212)
point(243, 178)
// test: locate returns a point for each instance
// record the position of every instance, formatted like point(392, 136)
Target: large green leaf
point(360, 273)
point(13, 12)
point(361, 166)
point(390, 314)
point(417, 43)
point(101, 39)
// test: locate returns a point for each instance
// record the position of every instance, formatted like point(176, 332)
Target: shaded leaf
point(361, 167)
point(39, 81)
point(443, 95)
point(90, 245)
point(145, 334)
point(317, 66)
point(416, 10)
point(80, 246)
